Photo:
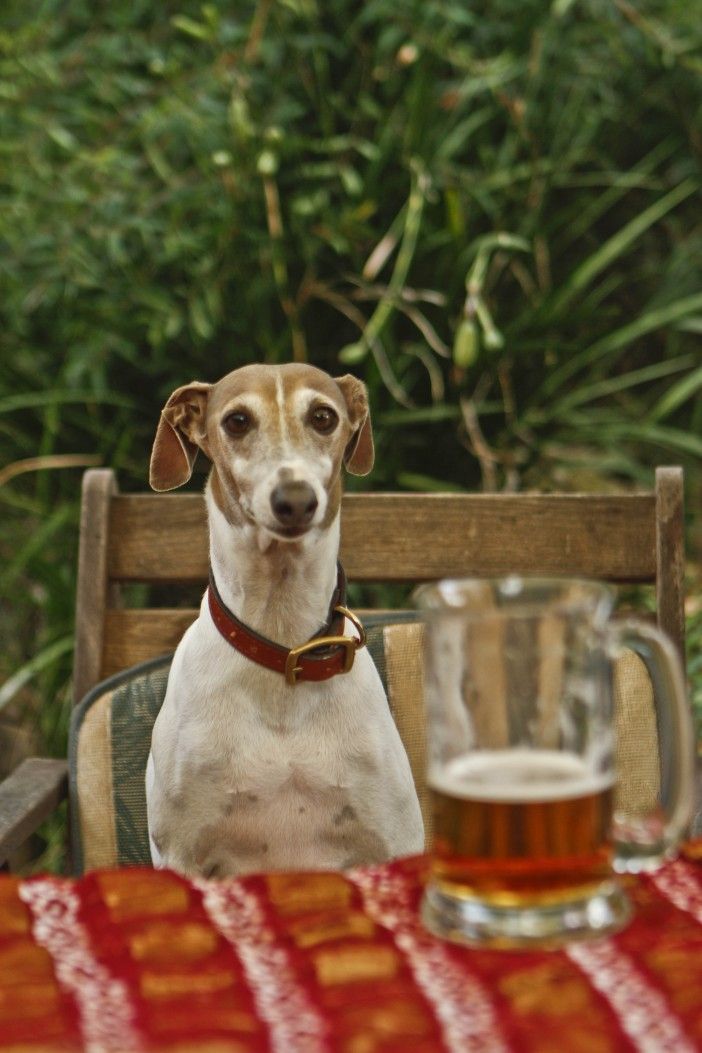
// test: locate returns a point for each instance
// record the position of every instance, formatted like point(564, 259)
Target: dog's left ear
point(359, 454)
point(179, 436)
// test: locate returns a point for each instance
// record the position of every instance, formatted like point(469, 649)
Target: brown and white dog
point(250, 770)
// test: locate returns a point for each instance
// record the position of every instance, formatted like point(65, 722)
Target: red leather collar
point(327, 653)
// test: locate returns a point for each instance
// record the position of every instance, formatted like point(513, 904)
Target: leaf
point(32, 400)
point(199, 318)
point(614, 385)
point(617, 245)
point(35, 665)
point(62, 137)
point(499, 240)
point(38, 464)
point(191, 28)
point(424, 415)
point(422, 483)
point(648, 322)
point(677, 395)
point(35, 543)
point(605, 432)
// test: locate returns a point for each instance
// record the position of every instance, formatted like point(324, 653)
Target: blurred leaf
point(36, 543)
point(549, 152)
point(427, 483)
point(11, 403)
point(617, 245)
point(619, 338)
point(614, 385)
point(30, 669)
point(677, 395)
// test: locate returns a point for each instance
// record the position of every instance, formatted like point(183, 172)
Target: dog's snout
point(294, 503)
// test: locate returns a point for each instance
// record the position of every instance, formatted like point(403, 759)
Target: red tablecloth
point(144, 960)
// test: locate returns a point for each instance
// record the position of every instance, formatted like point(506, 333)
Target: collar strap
point(328, 652)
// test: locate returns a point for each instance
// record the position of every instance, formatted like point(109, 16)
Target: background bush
point(490, 212)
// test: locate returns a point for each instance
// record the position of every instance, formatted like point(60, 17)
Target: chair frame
point(622, 538)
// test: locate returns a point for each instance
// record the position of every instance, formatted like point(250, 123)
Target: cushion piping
point(77, 718)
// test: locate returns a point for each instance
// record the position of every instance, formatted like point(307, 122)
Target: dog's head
point(277, 437)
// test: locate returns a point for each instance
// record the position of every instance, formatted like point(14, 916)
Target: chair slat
point(670, 555)
point(133, 636)
point(406, 537)
point(415, 537)
point(93, 588)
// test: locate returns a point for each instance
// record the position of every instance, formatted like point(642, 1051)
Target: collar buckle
point(351, 644)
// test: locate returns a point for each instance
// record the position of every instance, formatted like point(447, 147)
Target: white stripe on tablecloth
point(103, 1000)
point(461, 1003)
point(643, 1011)
point(677, 884)
point(295, 1025)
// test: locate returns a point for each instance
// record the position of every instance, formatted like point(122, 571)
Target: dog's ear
point(179, 436)
point(359, 453)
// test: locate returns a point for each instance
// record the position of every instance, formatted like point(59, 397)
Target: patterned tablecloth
point(143, 960)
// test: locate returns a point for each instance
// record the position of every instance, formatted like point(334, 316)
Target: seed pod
point(267, 163)
point(352, 354)
point(466, 343)
point(494, 340)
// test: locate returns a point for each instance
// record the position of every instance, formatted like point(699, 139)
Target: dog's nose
point(294, 503)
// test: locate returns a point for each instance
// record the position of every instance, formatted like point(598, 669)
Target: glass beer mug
point(521, 765)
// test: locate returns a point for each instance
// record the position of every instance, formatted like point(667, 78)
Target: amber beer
point(520, 827)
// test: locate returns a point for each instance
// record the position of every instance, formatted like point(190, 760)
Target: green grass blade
point(622, 182)
point(618, 244)
point(622, 431)
point(40, 661)
point(427, 483)
point(677, 395)
point(422, 415)
point(613, 385)
point(36, 542)
point(32, 400)
point(621, 338)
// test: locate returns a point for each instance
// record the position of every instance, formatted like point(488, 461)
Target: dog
point(269, 755)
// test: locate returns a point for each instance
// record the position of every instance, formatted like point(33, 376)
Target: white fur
point(246, 772)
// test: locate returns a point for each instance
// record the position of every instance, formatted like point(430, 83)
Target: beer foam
point(518, 775)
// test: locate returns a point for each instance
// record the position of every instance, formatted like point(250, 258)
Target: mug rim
point(448, 596)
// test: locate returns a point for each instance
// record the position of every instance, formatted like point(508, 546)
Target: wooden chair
point(161, 540)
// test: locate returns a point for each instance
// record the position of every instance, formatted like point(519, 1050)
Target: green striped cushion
point(109, 744)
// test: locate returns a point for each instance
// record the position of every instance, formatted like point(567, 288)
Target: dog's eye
point(237, 423)
point(323, 419)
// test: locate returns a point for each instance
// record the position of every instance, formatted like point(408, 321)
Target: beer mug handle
point(643, 843)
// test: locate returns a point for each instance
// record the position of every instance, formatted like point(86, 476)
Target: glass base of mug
point(479, 923)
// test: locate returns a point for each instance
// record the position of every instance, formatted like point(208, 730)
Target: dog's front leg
point(172, 841)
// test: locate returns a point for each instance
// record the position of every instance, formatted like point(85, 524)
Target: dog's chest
point(272, 796)
point(304, 758)
point(284, 810)
point(287, 794)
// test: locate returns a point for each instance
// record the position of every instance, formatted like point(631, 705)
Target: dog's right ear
point(179, 436)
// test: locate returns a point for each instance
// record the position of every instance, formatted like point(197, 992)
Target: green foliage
point(490, 212)
point(191, 188)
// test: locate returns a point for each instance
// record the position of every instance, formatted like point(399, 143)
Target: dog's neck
point(280, 589)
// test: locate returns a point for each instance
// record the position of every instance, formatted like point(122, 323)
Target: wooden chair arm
point(27, 797)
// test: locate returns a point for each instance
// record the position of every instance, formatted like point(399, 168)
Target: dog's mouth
point(277, 530)
point(289, 533)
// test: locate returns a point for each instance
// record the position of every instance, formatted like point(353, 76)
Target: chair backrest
point(161, 539)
